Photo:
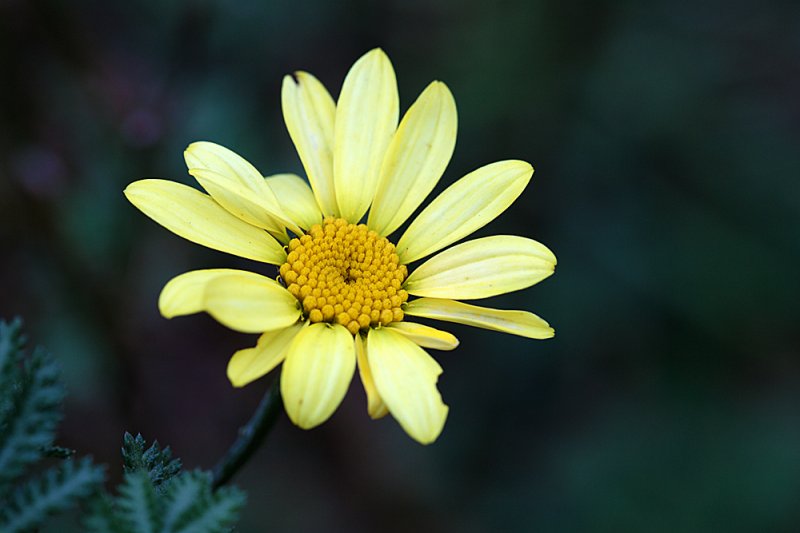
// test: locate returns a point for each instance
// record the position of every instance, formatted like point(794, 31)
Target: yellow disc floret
point(346, 274)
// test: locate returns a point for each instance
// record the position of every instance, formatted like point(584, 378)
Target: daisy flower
point(344, 294)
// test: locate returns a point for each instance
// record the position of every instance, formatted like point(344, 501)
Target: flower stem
point(250, 436)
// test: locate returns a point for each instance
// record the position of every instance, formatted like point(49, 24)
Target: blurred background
point(666, 141)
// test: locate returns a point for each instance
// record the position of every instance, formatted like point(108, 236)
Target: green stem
point(250, 437)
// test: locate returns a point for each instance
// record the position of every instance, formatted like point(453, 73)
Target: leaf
point(31, 404)
point(187, 505)
point(158, 463)
point(181, 500)
point(11, 344)
point(102, 517)
point(138, 504)
point(58, 489)
point(211, 512)
point(154, 496)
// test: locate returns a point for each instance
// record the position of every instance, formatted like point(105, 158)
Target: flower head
point(344, 292)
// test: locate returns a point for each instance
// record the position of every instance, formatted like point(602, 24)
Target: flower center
point(346, 274)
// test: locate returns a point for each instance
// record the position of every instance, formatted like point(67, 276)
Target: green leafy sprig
point(30, 410)
point(154, 496)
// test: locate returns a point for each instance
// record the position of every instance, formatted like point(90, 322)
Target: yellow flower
point(342, 297)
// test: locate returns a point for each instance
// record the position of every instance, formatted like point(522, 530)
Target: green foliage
point(138, 504)
point(102, 517)
point(157, 463)
point(57, 489)
point(156, 498)
point(30, 409)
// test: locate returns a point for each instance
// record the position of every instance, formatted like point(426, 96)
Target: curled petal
point(375, 406)
point(297, 198)
point(520, 323)
point(227, 174)
point(237, 199)
point(250, 364)
point(250, 304)
point(317, 372)
point(185, 294)
point(426, 336)
point(405, 377)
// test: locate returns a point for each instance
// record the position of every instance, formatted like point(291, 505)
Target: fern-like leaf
point(187, 505)
point(31, 404)
point(158, 463)
point(154, 496)
point(138, 504)
point(181, 499)
point(11, 344)
point(196, 509)
point(102, 517)
point(59, 488)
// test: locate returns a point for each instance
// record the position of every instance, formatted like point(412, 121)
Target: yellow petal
point(405, 377)
point(309, 112)
point(482, 267)
point(465, 206)
point(185, 294)
point(196, 217)
point(226, 168)
point(296, 198)
point(366, 118)
point(520, 323)
point(250, 304)
point(426, 336)
point(416, 158)
point(250, 364)
point(375, 406)
point(317, 372)
point(213, 156)
point(237, 199)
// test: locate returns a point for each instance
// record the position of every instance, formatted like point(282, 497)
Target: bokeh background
point(666, 141)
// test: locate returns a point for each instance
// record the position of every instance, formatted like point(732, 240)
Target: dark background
point(666, 140)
